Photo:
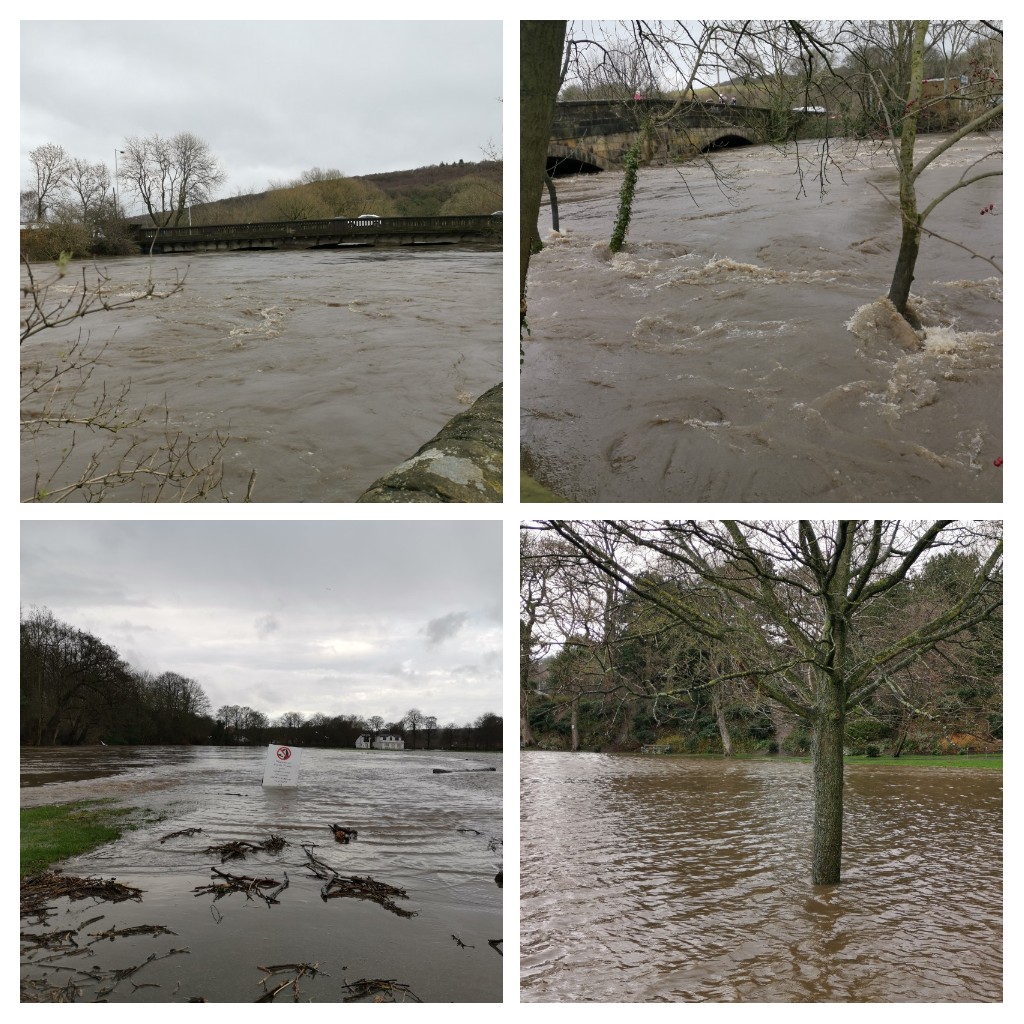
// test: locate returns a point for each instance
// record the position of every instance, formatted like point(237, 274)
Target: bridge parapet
point(326, 232)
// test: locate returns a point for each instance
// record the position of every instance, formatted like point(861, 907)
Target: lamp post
point(117, 212)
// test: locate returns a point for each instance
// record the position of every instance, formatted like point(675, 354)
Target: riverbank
point(52, 833)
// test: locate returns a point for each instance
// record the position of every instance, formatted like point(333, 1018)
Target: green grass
point(992, 761)
point(52, 834)
point(934, 761)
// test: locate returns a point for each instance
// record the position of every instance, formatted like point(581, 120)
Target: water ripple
point(650, 879)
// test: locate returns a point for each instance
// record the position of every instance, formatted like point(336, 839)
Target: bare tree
point(89, 186)
point(801, 598)
point(50, 164)
point(169, 175)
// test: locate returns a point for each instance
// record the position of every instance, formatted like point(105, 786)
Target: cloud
point(265, 625)
point(444, 628)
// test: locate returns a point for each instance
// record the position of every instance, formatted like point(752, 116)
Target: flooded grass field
point(437, 837)
point(675, 880)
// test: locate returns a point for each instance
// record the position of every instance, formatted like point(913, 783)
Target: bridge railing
point(326, 226)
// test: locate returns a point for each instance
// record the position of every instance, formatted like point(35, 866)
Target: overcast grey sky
point(271, 98)
point(363, 618)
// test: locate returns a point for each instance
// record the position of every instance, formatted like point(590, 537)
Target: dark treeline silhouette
point(76, 689)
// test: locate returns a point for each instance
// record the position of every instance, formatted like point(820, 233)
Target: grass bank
point(54, 833)
point(936, 761)
point(991, 761)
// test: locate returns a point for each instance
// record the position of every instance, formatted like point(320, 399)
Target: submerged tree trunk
point(553, 197)
point(829, 727)
point(910, 219)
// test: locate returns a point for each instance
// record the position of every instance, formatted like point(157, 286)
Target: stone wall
point(462, 463)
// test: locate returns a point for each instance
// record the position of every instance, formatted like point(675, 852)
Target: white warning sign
point(281, 768)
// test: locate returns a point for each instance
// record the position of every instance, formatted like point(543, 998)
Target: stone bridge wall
point(599, 132)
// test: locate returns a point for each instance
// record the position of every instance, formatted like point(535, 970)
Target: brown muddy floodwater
point(736, 350)
point(325, 368)
point(436, 836)
point(664, 879)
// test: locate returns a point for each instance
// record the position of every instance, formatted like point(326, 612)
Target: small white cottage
point(383, 742)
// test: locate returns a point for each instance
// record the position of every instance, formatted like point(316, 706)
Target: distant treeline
point(457, 189)
point(76, 689)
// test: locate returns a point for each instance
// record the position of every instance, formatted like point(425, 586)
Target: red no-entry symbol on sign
point(283, 753)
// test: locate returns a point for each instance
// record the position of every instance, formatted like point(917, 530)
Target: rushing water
point(668, 879)
point(324, 368)
point(736, 349)
point(436, 836)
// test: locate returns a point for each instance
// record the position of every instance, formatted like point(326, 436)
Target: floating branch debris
point(494, 944)
point(183, 832)
point(320, 868)
point(243, 883)
point(459, 771)
point(38, 890)
point(367, 889)
point(120, 933)
point(337, 886)
point(238, 849)
point(115, 977)
point(460, 943)
point(300, 971)
point(342, 834)
point(379, 988)
point(64, 939)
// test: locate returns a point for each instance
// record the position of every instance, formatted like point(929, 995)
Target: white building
point(385, 742)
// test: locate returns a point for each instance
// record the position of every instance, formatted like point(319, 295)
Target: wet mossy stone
point(461, 463)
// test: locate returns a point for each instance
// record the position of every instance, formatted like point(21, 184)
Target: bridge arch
point(564, 160)
point(727, 140)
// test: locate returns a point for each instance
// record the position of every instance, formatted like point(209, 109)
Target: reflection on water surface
point(668, 879)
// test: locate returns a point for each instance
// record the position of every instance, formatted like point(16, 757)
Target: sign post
point(281, 769)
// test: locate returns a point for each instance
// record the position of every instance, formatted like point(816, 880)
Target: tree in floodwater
point(911, 218)
point(800, 626)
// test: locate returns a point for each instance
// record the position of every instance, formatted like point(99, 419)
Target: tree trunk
point(574, 725)
point(903, 276)
point(540, 72)
point(723, 727)
point(829, 727)
point(553, 197)
point(526, 737)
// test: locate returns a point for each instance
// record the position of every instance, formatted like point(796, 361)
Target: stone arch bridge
point(594, 135)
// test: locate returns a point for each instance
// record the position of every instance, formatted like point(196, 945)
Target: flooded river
point(323, 369)
point(670, 879)
point(735, 350)
point(437, 836)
